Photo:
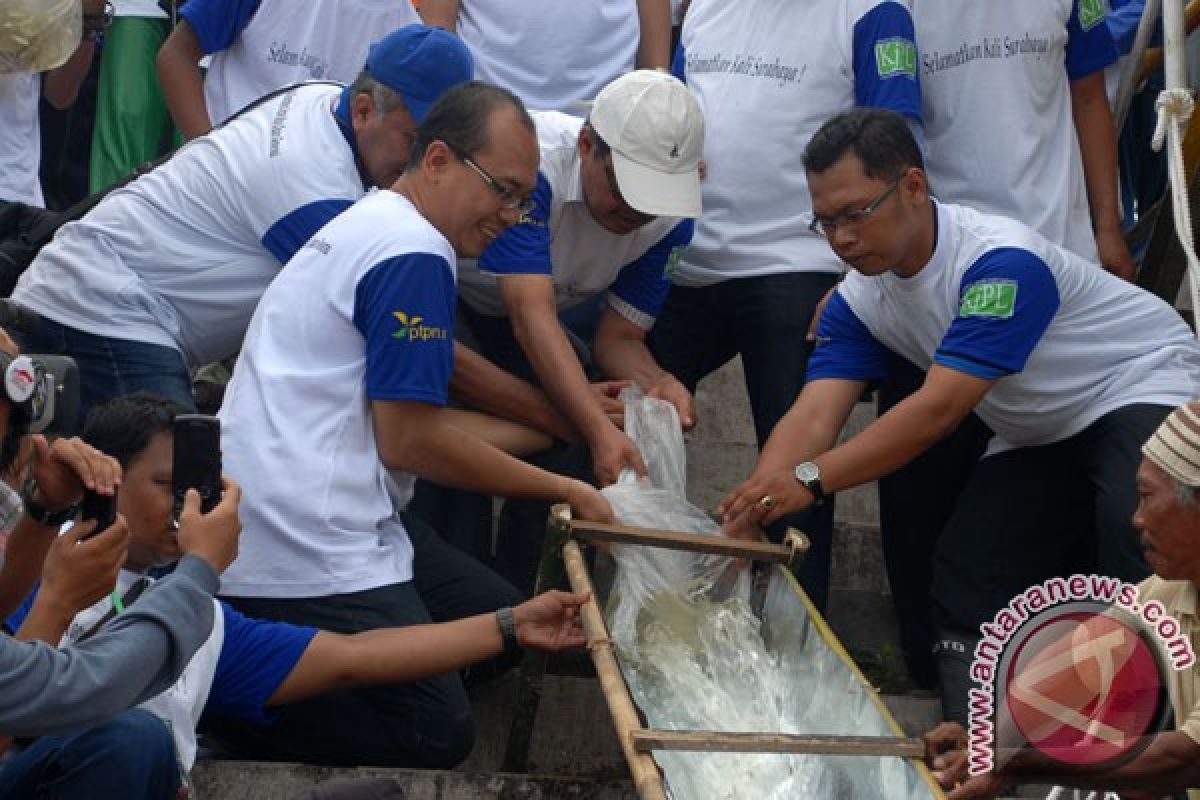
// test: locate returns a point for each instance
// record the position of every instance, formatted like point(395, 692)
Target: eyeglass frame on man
point(826, 228)
point(508, 198)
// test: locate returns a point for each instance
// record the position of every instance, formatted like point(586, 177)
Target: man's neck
point(926, 243)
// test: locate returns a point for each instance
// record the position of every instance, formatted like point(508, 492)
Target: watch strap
point(39, 514)
point(508, 629)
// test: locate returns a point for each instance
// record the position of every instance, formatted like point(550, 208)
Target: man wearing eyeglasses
point(163, 275)
point(611, 210)
point(1025, 333)
point(347, 364)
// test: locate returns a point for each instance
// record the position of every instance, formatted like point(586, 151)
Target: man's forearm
point(627, 358)
point(654, 46)
point(1170, 763)
point(182, 82)
point(389, 656)
point(482, 385)
point(1097, 136)
point(429, 445)
point(542, 338)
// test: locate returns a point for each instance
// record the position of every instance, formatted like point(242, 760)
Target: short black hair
point(122, 428)
point(881, 139)
point(600, 147)
point(460, 119)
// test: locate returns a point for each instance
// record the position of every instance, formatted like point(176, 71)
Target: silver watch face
point(808, 472)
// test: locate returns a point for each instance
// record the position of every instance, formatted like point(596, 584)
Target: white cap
point(653, 125)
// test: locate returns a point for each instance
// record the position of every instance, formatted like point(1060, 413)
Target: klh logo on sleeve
point(1076, 669)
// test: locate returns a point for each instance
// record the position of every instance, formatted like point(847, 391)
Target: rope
point(1175, 108)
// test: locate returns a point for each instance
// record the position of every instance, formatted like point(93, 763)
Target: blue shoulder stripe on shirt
point(217, 23)
point(289, 233)
point(643, 283)
point(256, 658)
point(885, 61)
point(524, 249)
point(845, 349)
point(1007, 300)
point(1091, 48)
point(404, 308)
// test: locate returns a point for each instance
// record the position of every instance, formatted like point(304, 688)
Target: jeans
point(111, 368)
point(129, 758)
point(1029, 514)
point(765, 320)
point(424, 724)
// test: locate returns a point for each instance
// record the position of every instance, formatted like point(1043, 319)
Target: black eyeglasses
point(508, 198)
point(827, 227)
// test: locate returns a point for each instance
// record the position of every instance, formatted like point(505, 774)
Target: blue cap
point(420, 64)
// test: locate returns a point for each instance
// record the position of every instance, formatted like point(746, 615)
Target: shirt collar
point(341, 115)
point(574, 189)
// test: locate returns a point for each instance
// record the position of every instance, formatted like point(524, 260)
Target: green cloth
point(132, 123)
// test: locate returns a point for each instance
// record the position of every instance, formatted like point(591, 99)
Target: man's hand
point(980, 787)
point(550, 621)
point(78, 573)
point(212, 536)
point(64, 469)
point(1114, 254)
point(946, 753)
point(762, 499)
point(613, 452)
point(671, 390)
point(608, 394)
point(586, 502)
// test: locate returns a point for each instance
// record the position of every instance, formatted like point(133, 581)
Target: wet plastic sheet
point(696, 658)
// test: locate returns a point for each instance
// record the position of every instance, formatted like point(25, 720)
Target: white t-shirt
point(1065, 341)
point(995, 86)
point(767, 74)
point(138, 8)
point(260, 45)
point(561, 239)
point(552, 55)
point(180, 256)
point(364, 312)
point(20, 138)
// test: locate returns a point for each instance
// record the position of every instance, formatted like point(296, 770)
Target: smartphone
point(197, 460)
point(100, 507)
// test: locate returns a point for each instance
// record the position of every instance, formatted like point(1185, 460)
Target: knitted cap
point(1175, 446)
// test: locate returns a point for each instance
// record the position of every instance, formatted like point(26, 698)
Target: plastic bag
point(695, 658)
point(38, 35)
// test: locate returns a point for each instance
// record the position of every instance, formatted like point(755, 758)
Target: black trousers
point(1029, 514)
point(423, 724)
point(915, 503)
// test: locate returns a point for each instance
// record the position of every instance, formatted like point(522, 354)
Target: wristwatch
point(809, 476)
point(39, 514)
point(508, 630)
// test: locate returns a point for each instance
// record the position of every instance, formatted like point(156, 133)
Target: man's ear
point(362, 108)
point(585, 144)
point(437, 158)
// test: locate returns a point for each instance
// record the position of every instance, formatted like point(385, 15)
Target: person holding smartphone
point(249, 667)
point(78, 696)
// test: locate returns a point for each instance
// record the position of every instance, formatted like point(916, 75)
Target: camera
point(100, 507)
point(44, 391)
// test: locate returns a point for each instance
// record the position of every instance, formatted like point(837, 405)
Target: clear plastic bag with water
point(696, 657)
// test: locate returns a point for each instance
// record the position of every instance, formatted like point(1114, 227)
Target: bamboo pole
point(694, 542)
point(645, 741)
point(646, 777)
